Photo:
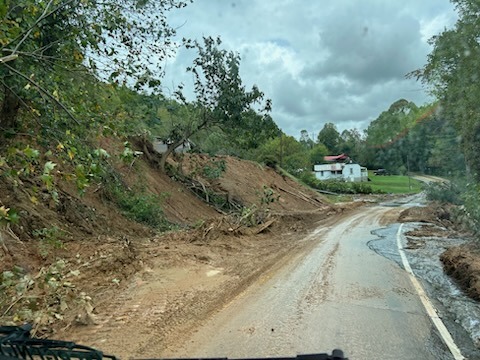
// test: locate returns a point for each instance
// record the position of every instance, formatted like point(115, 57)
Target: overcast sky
point(339, 61)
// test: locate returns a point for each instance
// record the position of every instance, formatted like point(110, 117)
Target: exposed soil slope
point(246, 182)
point(119, 277)
point(99, 249)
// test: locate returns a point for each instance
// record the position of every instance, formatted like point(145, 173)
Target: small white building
point(161, 146)
point(341, 171)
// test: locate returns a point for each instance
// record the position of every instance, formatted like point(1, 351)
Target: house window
point(351, 171)
point(321, 173)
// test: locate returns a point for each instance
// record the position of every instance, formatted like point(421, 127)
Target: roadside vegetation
point(80, 105)
point(58, 105)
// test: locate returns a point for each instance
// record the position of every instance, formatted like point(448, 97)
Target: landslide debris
point(462, 262)
point(63, 259)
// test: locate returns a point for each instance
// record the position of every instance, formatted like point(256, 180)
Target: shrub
point(443, 192)
point(214, 169)
point(138, 205)
point(472, 207)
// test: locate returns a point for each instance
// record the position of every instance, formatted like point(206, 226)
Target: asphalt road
point(339, 295)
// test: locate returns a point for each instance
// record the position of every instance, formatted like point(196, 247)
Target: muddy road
point(340, 295)
point(342, 284)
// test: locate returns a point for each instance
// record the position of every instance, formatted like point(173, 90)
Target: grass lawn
point(394, 184)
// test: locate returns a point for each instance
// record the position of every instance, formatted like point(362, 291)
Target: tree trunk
point(170, 149)
point(9, 109)
point(163, 159)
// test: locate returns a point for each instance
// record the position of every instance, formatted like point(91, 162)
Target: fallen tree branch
point(265, 226)
point(304, 198)
point(8, 58)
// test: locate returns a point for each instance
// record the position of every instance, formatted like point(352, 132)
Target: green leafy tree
point(351, 143)
point(446, 157)
point(452, 72)
point(330, 137)
point(305, 140)
point(387, 137)
point(317, 153)
point(285, 151)
point(391, 124)
point(254, 130)
point(45, 44)
point(221, 98)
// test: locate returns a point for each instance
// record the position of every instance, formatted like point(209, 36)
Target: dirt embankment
point(72, 257)
point(118, 277)
point(462, 263)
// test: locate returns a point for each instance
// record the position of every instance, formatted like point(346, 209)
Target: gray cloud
point(371, 51)
point(340, 61)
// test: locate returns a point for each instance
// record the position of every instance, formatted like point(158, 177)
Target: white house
point(161, 146)
point(341, 171)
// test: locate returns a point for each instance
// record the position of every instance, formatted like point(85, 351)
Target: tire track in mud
point(160, 306)
point(114, 323)
point(319, 288)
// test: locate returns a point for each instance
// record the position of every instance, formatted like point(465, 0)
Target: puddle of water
point(417, 200)
point(426, 264)
point(385, 244)
point(460, 313)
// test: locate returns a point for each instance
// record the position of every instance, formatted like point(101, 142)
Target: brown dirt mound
point(186, 276)
point(105, 249)
point(437, 214)
point(463, 264)
point(247, 183)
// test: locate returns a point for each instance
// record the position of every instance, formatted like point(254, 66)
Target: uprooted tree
point(221, 99)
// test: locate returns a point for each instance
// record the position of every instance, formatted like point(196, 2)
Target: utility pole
point(408, 171)
point(281, 149)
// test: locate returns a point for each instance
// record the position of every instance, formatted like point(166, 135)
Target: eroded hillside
point(61, 258)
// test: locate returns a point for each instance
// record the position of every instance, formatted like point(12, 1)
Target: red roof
point(335, 157)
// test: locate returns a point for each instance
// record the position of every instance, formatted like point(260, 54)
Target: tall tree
point(452, 71)
point(221, 98)
point(387, 138)
point(317, 154)
point(305, 140)
point(46, 43)
point(253, 130)
point(285, 151)
point(330, 137)
point(445, 150)
point(351, 143)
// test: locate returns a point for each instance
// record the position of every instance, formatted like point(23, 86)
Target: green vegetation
point(57, 105)
point(337, 187)
point(451, 74)
point(444, 192)
point(221, 98)
point(139, 205)
point(50, 238)
point(44, 297)
point(395, 184)
point(214, 169)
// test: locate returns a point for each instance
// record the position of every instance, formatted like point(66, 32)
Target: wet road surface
point(342, 294)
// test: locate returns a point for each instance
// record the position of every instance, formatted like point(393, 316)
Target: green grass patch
point(334, 199)
point(394, 184)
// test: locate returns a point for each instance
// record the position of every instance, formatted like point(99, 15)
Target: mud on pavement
point(184, 278)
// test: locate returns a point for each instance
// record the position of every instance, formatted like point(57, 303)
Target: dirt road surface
point(327, 291)
point(339, 295)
